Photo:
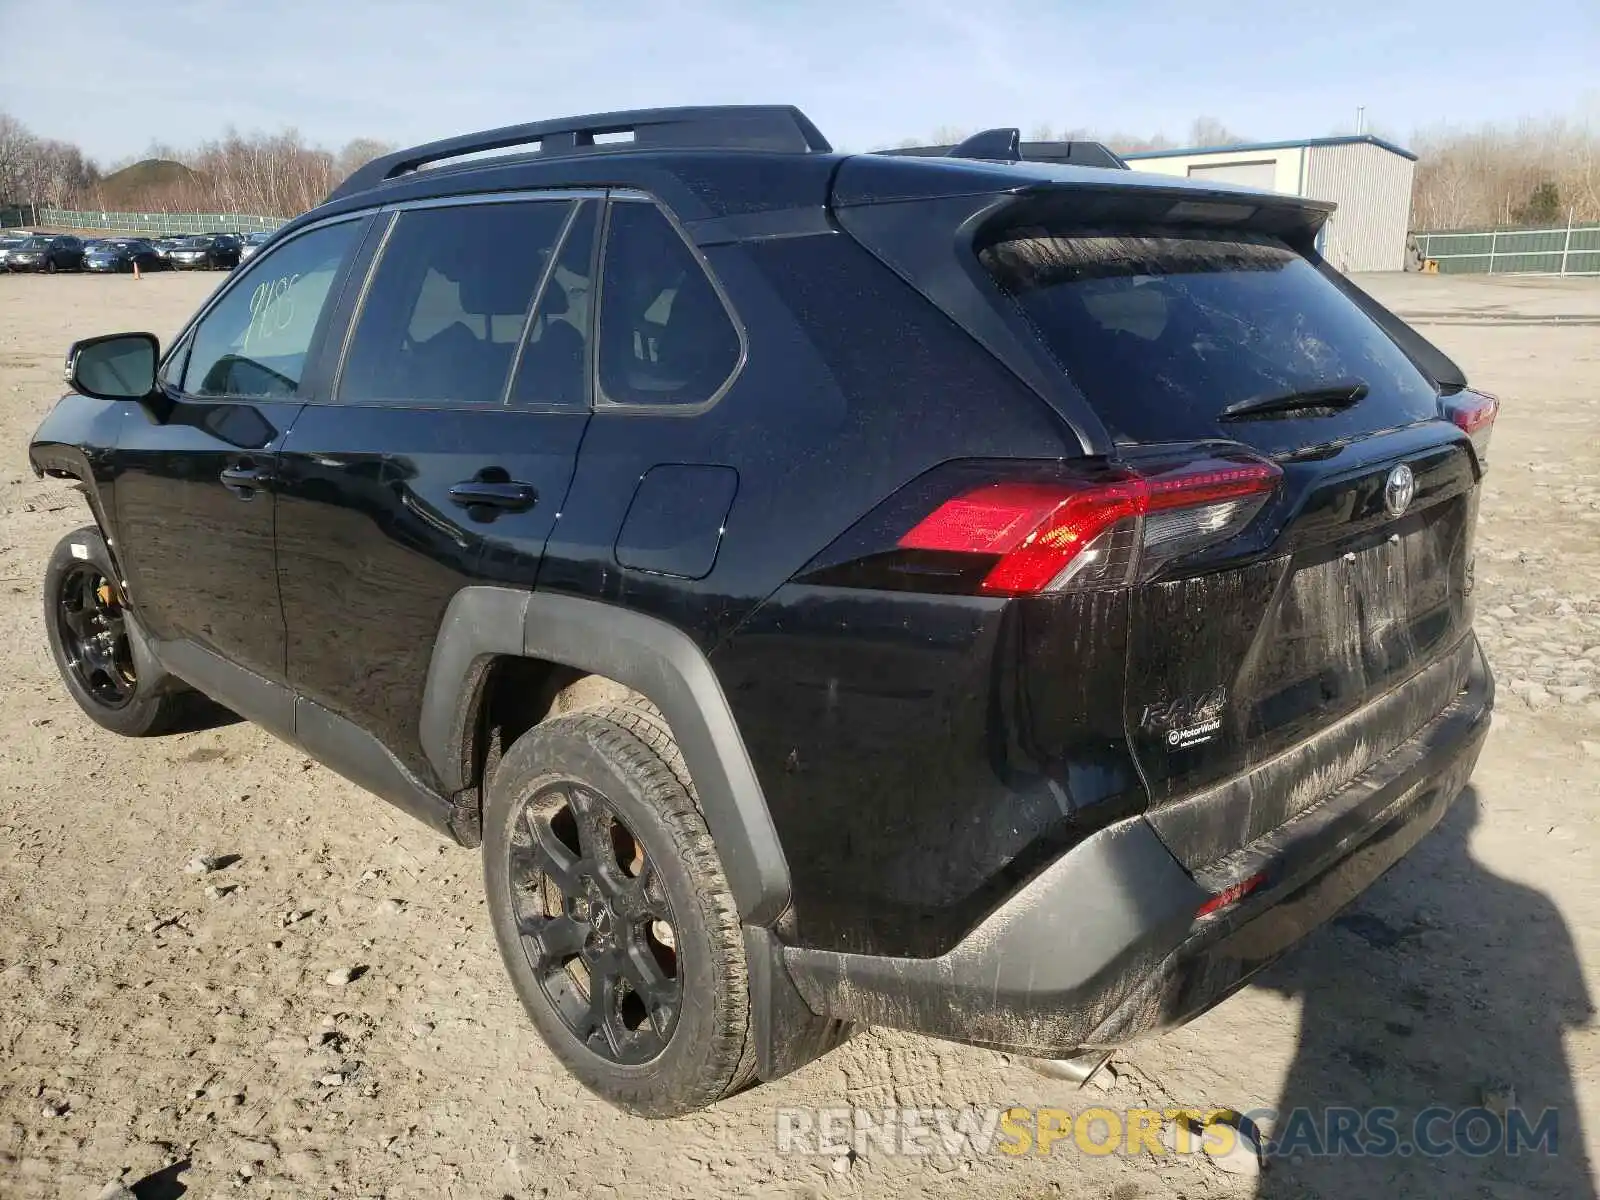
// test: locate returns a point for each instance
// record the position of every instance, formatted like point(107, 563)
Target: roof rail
point(724, 127)
point(1005, 145)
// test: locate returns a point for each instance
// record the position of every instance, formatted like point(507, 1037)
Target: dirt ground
point(179, 1031)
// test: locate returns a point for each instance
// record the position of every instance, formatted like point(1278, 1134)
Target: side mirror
point(119, 366)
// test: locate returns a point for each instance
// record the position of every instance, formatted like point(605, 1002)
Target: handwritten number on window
point(271, 310)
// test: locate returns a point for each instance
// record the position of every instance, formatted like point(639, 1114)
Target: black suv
point(205, 252)
point(1007, 599)
point(48, 253)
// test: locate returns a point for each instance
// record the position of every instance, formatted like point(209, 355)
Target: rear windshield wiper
point(1340, 393)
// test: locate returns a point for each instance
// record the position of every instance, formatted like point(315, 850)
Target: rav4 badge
point(1187, 721)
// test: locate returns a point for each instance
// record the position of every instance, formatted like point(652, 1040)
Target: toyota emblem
point(1399, 490)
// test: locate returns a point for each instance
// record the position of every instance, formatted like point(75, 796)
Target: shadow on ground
point(161, 1185)
point(1448, 988)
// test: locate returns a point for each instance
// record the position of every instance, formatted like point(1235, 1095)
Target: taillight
point(1102, 532)
point(1474, 413)
point(1229, 896)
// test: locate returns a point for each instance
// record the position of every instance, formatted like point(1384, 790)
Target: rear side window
point(665, 336)
point(1162, 329)
point(448, 303)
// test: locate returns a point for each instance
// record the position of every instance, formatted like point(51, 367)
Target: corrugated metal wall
point(1372, 188)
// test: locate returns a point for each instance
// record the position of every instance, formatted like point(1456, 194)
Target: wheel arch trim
point(652, 657)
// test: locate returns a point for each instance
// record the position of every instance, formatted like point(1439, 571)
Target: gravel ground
point(316, 1007)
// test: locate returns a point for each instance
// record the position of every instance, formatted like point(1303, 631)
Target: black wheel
point(49, 266)
point(101, 658)
point(613, 914)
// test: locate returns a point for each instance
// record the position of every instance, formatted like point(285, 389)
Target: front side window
point(254, 342)
point(665, 336)
point(448, 303)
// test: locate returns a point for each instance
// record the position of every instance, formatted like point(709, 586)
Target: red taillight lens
point(1474, 413)
point(1230, 896)
point(1052, 536)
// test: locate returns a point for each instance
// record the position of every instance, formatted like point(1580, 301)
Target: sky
point(869, 73)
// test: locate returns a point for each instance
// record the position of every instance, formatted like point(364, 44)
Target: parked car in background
point(7, 245)
point(123, 254)
point(206, 252)
point(48, 254)
point(252, 243)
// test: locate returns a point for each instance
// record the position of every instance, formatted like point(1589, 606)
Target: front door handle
point(510, 496)
point(242, 479)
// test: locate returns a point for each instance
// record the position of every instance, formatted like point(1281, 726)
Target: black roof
point(733, 160)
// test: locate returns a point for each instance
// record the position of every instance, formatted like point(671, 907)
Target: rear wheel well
point(515, 694)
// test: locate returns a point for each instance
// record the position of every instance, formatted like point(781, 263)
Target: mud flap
point(787, 1032)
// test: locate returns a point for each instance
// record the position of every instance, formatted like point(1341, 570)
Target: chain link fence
point(152, 223)
point(1567, 250)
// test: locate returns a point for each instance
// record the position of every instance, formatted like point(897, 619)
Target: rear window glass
point(1162, 329)
point(665, 335)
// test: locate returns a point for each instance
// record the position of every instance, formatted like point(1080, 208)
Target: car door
point(195, 491)
point(459, 405)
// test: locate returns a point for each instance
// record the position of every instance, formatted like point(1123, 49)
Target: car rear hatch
point(1297, 558)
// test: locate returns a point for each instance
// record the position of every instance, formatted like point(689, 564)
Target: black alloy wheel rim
point(595, 922)
point(95, 637)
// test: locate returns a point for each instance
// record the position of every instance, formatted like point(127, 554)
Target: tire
point(695, 1048)
point(121, 688)
point(49, 266)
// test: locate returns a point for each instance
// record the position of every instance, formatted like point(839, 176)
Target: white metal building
point(1367, 177)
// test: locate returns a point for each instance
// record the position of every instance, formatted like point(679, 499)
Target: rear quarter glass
point(1162, 328)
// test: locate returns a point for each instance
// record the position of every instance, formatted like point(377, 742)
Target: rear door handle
point(511, 496)
point(242, 480)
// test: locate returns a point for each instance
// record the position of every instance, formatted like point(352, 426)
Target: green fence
point(1569, 250)
point(126, 222)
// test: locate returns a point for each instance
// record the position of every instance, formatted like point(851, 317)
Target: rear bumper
point(1104, 945)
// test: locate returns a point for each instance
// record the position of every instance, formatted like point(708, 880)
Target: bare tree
point(358, 152)
point(1209, 131)
point(1133, 143)
point(16, 143)
point(256, 174)
point(1533, 172)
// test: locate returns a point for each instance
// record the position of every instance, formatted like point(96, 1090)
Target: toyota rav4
point(989, 593)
